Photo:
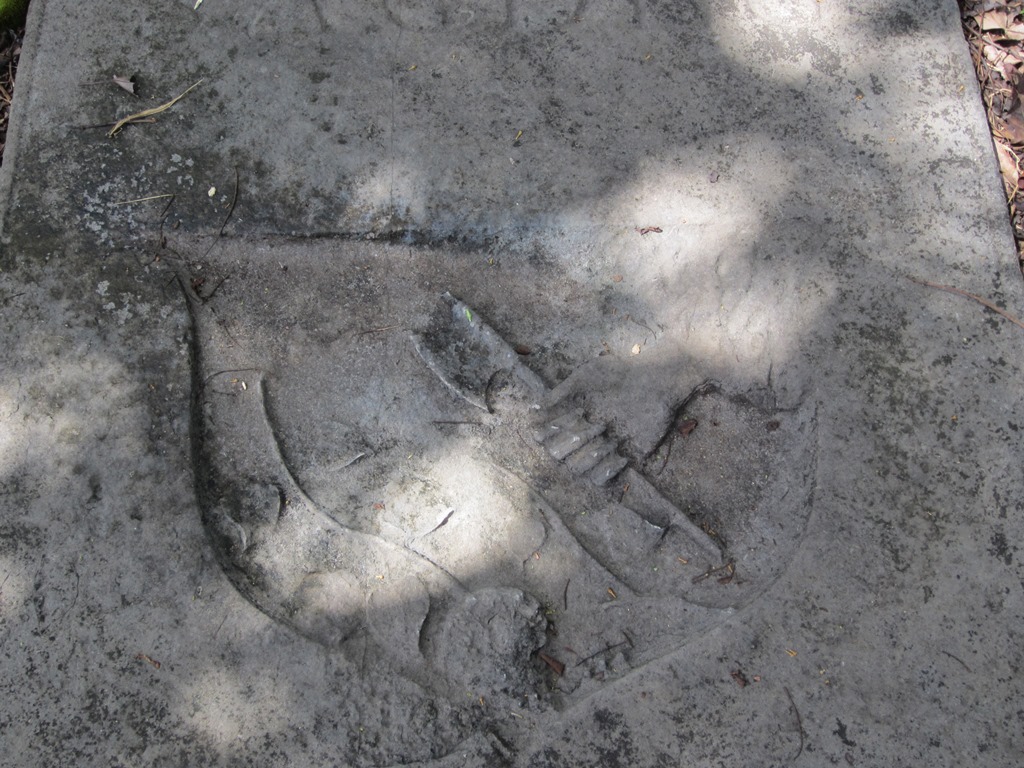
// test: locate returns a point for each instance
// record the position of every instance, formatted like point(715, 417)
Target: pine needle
point(959, 292)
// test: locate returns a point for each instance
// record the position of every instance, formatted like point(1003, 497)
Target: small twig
point(668, 453)
point(960, 661)
point(148, 659)
point(231, 208)
point(642, 325)
point(442, 524)
point(712, 571)
point(353, 460)
point(149, 112)
point(108, 125)
point(799, 722)
point(229, 370)
point(565, 595)
point(450, 423)
point(605, 650)
point(979, 299)
point(163, 220)
point(215, 289)
point(376, 330)
point(143, 199)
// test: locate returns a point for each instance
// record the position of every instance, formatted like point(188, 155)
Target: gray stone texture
point(246, 522)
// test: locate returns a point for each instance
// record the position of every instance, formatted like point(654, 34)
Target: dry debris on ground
point(995, 33)
point(10, 51)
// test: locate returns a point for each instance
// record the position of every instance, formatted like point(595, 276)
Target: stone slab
point(246, 520)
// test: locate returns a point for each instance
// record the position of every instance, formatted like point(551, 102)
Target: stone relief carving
point(444, 507)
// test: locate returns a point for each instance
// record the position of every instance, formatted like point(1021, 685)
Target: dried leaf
point(125, 82)
point(1001, 24)
point(1004, 101)
point(1010, 127)
point(687, 427)
point(556, 666)
point(994, 53)
point(994, 20)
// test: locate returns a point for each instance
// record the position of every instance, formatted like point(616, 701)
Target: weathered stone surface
point(247, 522)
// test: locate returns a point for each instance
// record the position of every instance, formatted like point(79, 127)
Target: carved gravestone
point(554, 377)
point(456, 435)
point(381, 467)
